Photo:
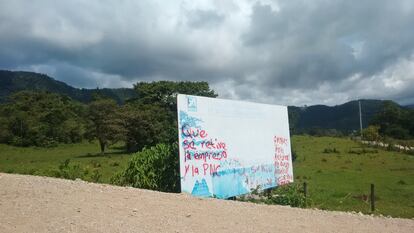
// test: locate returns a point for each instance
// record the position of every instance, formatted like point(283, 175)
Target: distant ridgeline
point(325, 120)
point(315, 120)
point(14, 81)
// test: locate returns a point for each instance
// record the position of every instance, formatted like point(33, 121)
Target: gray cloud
point(204, 18)
point(281, 52)
point(313, 44)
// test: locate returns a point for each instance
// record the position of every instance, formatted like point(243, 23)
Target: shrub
point(294, 155)
point(96, 176)
point(95, 164)
point(155, 168)
point(114, 164)
point(67, 171)
point(330, 150)
point(402, 182)
point(10, 170)
point(362, 151)
point(289, 194)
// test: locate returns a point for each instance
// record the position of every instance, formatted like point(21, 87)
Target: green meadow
point(84, 157)
point(338, 171)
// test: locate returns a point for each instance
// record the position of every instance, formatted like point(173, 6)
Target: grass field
point(338, 171)
point(341, 180)
point(46, 161)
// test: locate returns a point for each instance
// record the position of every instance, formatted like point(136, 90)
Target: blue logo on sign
point(192, 104)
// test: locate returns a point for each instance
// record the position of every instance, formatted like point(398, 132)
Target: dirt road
point(40, 204)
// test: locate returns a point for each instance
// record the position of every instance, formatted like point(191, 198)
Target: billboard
point(227, 148)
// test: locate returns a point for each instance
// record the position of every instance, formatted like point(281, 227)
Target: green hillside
point(14, 81)
point(344, 117)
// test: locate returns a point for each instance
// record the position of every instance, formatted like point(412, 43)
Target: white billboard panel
point(227, 148)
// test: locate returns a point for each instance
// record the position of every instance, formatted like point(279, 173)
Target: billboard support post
point(372, 198)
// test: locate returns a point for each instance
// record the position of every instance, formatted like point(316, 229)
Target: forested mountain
point(344, 117)
point(14, 81)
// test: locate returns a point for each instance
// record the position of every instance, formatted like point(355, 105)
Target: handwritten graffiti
point(190, 144)
point(282, 160)
point(207, 169)
point(204, 153)
point(188, 131)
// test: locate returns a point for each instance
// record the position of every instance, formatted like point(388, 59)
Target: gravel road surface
point(41, 204)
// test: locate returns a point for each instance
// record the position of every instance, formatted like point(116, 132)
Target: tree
point(371, 133)
point(294, 115)
point(389, 115)
point(164, 93)
point(106, 122)
point(410, 120)
point(152, 117)
point(41, 119)
point(5, 133)
point(394, 121)
point(146, 125)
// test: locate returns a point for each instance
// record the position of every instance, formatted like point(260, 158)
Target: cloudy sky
point(280, 52)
